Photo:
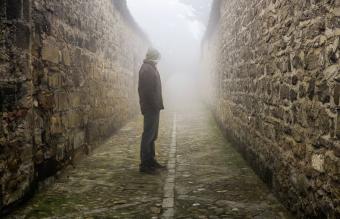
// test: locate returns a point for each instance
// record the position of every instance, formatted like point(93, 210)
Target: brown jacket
point(150, 88)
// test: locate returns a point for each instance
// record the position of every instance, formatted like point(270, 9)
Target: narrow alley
point(211, 178)
point(250, 130)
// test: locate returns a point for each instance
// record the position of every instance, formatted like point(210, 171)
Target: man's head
point(153, 55)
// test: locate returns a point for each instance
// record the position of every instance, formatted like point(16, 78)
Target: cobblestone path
point(212, 179)
point(207, 178)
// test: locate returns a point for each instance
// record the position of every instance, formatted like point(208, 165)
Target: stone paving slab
point(206, 178)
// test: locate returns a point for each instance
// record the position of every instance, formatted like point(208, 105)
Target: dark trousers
point(150, 134)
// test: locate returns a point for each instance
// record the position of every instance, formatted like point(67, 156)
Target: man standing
point(151, 102)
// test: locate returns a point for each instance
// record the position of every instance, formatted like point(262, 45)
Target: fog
point(175, 28)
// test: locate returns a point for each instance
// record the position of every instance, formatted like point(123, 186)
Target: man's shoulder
point(147, 67)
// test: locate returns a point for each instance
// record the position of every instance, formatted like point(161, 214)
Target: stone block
point(336, 95)
point(66, 57)
point(13, 164)
point(61, 154)
point(78, 139)
point(50, 53)
point(336, 11)
point(75, 99)
point(46, 101)
point(318, 161)
point(296, 62)
point(293, 95)
point(56, 124)
point(299, 150)
point(39, 156)
point(311, 89)
point(284, 92)
point(54, 81)
point(14, 9)
point(8, 95)
point(312, 61)
point(295, 80)
point(26, 153)
point(169, 193)
point(38, 136)
point(75, 119)
point(332, 164)
point(168, 203)
point(23, 36)
point(323, 92)
point(63, 101)
point(337, 3)
point(168, 213)
point(336, 150)
point(92, 131)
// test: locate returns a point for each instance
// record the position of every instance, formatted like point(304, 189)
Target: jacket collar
point(150, 62)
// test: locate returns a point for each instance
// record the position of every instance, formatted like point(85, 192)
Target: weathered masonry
point(64, 67)
point(273, 71)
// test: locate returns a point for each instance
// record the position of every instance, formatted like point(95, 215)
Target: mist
point(175, 28)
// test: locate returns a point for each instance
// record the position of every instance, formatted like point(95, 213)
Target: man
point(151, 102)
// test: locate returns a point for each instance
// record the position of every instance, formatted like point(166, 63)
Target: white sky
point(166, 15)
point(175, 27)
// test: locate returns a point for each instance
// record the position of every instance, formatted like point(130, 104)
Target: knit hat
point(153, 55)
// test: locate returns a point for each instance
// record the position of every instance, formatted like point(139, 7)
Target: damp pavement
point(206, 178)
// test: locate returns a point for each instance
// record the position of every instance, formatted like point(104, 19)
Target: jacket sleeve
point(147, 88)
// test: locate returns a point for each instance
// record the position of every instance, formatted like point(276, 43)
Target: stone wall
point(68, 73)
point(273, 70)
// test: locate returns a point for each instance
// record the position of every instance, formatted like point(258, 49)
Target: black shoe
point(147, 170)
point(156, 165)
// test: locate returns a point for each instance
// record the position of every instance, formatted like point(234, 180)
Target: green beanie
point(153, 55)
